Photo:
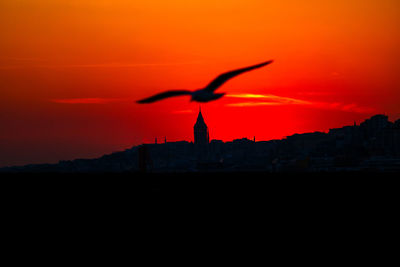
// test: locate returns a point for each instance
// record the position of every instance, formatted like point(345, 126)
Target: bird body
point(205, 94)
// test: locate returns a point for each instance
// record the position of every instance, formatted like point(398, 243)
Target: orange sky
point(71, 70)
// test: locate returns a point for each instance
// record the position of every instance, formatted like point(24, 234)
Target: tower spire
point(201, 135)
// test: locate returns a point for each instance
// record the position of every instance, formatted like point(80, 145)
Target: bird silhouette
point(205, 94)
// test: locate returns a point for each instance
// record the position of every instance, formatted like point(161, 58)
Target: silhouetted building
point(144, 159)
point(201, 135)
point(372, 126)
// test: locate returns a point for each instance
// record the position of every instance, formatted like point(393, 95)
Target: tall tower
point(201, 136)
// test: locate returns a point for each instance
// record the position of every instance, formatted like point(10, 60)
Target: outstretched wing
point(221, 79)
point(164, 95)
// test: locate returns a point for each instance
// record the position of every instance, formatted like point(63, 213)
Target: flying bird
point(205, 94)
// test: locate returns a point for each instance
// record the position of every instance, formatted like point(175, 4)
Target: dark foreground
point(211, 183)
point(296, 202)
point(329, 214)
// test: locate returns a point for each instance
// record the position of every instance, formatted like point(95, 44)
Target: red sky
point(70, 71)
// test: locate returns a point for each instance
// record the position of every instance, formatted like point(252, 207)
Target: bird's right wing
point(221, 79)
point(164, 95)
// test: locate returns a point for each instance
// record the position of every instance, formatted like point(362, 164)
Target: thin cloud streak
point(274, 100)
point(100, 65)
point(253, 104)
point(93, 100)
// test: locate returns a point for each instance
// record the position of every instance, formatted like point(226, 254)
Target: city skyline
point(372, 145)
point(203, 135)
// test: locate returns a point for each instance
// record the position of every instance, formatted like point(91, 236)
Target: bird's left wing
point(164, 95)
point(221, 79)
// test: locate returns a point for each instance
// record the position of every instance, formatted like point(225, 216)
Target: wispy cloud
point(274, 100)
point(253, 104)
point(345, 107)
point(251, 100)
point(92, 65)
point(93, 100)
point(23, 59)
point(128, 65)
